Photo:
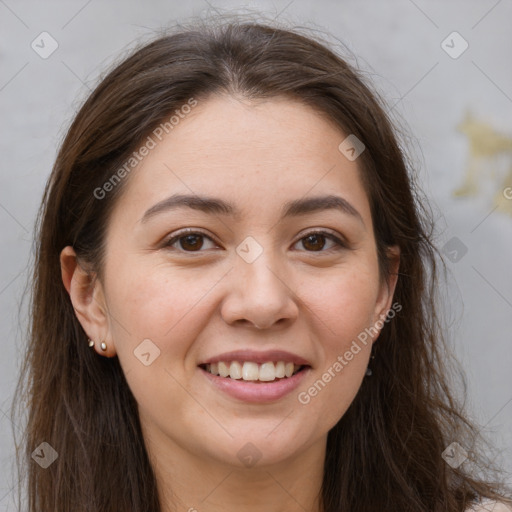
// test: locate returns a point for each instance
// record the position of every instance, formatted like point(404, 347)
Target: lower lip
point(257, 392)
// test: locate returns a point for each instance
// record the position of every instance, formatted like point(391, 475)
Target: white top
point(487, 505)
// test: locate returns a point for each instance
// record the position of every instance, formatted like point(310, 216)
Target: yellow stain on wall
point(488, 150)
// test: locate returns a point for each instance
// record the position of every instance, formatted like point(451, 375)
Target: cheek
point(344, 308)
point(149, 302)
point(344, 300)
point(161, 313)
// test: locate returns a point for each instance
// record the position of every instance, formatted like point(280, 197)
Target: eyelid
point(322, 231)
point(168, 241)
point(340, 241)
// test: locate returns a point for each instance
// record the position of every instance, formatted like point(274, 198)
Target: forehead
point(257, 153)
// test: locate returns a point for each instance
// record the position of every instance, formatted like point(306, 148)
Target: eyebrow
point(217, 206)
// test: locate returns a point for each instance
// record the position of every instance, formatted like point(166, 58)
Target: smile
point(252, 371)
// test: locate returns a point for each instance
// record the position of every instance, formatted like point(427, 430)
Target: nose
point(259, 294)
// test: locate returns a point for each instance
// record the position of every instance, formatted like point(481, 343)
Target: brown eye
point(189, 241)
point(315, 242)
point(194, 241)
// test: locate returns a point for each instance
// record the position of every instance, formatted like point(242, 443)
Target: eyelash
point(182, 234)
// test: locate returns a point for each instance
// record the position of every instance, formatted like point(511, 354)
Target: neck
point(193, 483)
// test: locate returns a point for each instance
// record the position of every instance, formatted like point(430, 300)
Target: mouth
point(251, 371)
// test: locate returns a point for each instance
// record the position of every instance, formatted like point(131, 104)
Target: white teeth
point(235, 370)
point(250, 371)
point(267, 372)
point(223, 369)
point(280, 373)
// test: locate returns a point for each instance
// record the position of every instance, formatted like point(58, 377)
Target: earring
point(369, 370)
point(103, 345)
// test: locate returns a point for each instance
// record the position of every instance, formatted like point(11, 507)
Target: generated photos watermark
point(151, 142)
point(337, 367)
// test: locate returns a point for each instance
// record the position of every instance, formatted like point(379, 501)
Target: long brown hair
point(385, 453)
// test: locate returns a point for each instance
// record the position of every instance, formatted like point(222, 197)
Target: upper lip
point(258, 357)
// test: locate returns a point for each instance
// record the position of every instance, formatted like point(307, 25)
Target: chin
point(256, 447)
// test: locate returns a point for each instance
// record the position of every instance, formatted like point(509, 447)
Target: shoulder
point(487, 505)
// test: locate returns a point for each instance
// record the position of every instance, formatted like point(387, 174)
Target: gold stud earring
point(91, 343)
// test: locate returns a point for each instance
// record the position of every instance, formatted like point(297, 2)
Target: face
point(255, 279)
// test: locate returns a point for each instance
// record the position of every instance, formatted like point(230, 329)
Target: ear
point(88, 299)
point(387, 287)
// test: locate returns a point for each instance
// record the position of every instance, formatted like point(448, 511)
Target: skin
point(298, 296)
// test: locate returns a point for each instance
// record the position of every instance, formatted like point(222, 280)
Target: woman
point(233, 304)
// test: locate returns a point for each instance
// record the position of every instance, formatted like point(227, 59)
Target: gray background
point(398, 44)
